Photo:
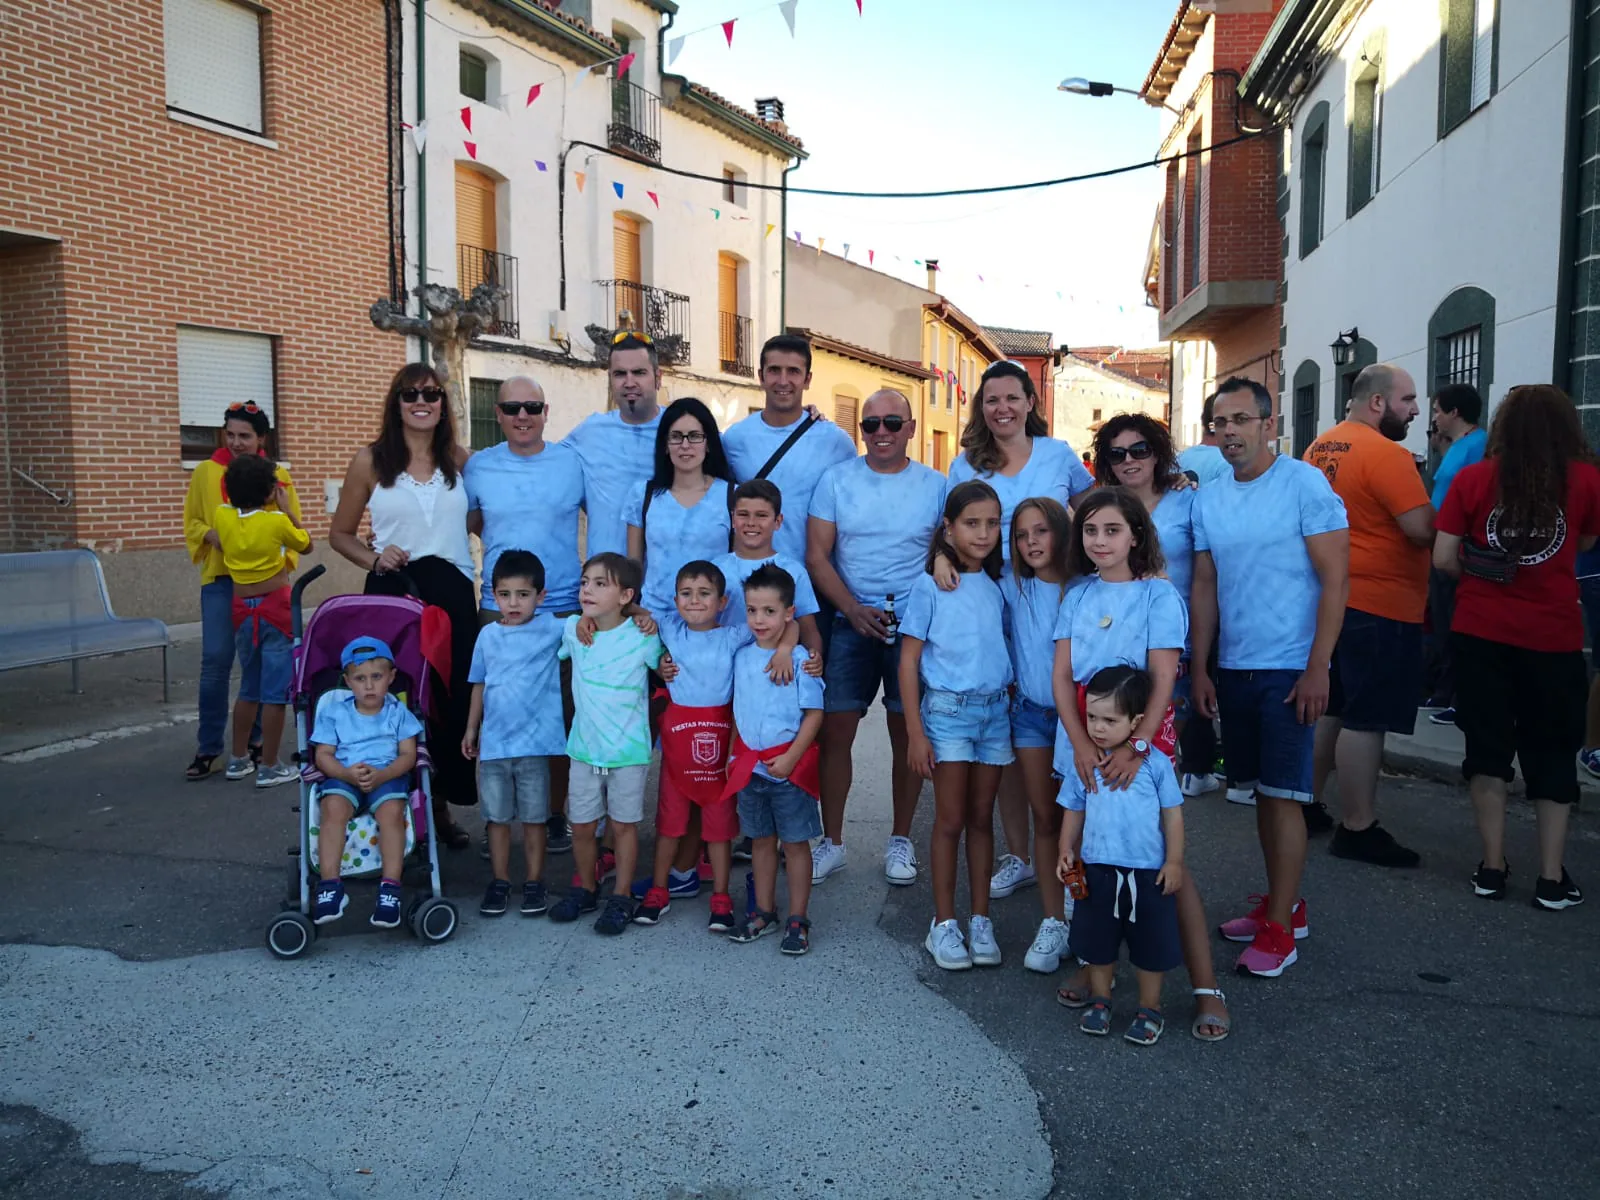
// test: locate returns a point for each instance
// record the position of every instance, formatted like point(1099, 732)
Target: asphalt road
point(1426, 1042)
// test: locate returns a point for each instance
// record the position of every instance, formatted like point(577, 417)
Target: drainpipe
point(422, 164)
point(783, 252)
point(1566, 282)
point(661, 44)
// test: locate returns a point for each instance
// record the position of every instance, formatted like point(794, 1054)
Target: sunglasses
point(245, 406)
point(892, 423)
point(693, 438)
point(623, 335)
point(1119, 454)
point(534, 408)
point(426, 395)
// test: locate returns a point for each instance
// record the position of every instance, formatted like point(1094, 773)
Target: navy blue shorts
point(1265, 746)
point(856, 667)
point(1126, 906)
point(1375, 676)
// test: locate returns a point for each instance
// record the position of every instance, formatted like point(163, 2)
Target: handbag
point(1489, 563)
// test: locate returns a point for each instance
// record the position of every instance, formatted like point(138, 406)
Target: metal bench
point(54, 608)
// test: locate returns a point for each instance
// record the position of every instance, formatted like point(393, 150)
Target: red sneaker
point(721, 913)
point(1245, 928)
point(657, 904)
point(1270, 953)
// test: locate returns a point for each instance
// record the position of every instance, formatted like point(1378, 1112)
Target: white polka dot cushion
point(361, 855)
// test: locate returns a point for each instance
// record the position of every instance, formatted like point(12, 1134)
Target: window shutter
point(214, 61)
point(217, 368)
point(845, 414)
point(625, 248)
point(475, 212)
point(1482, 51)
point(727, 283)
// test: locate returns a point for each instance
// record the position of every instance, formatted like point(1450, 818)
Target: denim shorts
point(1375, 678)
point(514, 789)
point(266, 663)
point(968, 726)
point(778, 808)
point(1033, 726)
point(367, 802)
point(1265, 746)
point(856, 667)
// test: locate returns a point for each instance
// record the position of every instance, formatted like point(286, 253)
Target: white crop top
point(423, 519)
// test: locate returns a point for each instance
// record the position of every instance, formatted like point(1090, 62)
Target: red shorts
point(694, 763)
point(719, 820)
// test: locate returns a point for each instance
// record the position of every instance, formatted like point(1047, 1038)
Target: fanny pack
point(1489, 563)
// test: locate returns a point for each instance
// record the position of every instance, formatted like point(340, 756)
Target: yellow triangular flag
point(579, 176)
point(770, 228)
point(821, 242)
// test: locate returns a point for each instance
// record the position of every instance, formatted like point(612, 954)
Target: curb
point(1449, 772)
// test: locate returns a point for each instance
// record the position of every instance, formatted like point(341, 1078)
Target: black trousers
point(442, 584)
point(1441, 671)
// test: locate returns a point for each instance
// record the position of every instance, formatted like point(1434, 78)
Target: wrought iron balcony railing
point(635, 120)
point(475, 265)
point(734, 339)
point(661, 314)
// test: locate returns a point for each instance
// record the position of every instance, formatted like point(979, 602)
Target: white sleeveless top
point(423, 519)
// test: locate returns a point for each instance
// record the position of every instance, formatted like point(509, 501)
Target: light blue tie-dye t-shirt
point(1053, 469)
point(704, 658)
point(736, 570)
point(521, 677)
point(1123, 828)
point(616, 455)
point(674, 535)
point(962, 631)
point(765, 713)
point(883, 524)
point(530, 502)
point(751, 442)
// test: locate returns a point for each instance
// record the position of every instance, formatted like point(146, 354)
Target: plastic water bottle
point(891, 622)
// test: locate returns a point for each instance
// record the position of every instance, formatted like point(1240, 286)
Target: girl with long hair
point(680, 514)
point(1511, 529)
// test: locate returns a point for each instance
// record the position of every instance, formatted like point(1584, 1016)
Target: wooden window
point(213, 57)
point(627, 267)
point(475, 209)
point(846, 414)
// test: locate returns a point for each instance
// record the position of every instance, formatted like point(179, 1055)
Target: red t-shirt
point(1538, 610)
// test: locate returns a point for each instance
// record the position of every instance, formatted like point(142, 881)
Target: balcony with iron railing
point(661, 314)
point(635, 121)
point(734, 340)
point(475, 265)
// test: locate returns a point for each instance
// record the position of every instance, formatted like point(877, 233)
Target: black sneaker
point(1372, 845)
point(535, 900)
point(1445, 716)
point(494, 900)
point(558, 834)
point(1489, 884)
point(721, 913)
point(1318, 818)
point(741, 850)
point(617, 915)
point(573, 905)
point(1554, 896)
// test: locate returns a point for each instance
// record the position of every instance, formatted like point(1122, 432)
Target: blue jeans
point(216, 665)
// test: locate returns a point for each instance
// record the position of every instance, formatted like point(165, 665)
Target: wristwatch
point(1140, 747)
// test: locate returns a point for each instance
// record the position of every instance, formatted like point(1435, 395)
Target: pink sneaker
point(1270, 953)
point(1245, 928)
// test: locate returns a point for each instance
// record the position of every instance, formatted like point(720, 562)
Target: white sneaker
point(1013, 875)
point(274, 775)
point(240, 768)
point(948, 947)
point(900, 864)
point(1049, 947)
point(985, 950)
point(1245, 796)
point(1199, 785)
point(826, 858)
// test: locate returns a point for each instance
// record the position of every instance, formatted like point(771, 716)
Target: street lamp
point(1095, 87)
point(1344, 347)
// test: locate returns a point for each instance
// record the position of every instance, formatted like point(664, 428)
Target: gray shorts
point(615, 792)
point(514, 789)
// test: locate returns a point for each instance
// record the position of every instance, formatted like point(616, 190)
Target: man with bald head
point(1375, 677)
point(872, 519)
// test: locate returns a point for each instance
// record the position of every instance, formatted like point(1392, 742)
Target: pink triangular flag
point(472, 150)
point(871, 256)
point(580, 177)
point(466, 117)
point(624, 63)
point(654, 199)
point(533, 93)
point(858, 8)
point(727, 30)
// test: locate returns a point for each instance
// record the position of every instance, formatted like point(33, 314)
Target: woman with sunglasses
point(409, 483)
point(245, 427)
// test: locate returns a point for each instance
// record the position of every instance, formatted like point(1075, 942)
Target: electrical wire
point(936, 195)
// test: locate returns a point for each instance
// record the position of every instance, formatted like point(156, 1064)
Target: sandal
point(1074, 995)
point(200, 768)
point(1097, 1021)
point(1146, 1027)
point(796, 939)
point(757, 924)
point(1202, 1019)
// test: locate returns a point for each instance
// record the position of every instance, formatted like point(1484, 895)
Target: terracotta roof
point(823, 341)
point(546, 10)
point(1182, 35)
point(1013, 342)
point(1093, 353)
point(776, 128)
point(1147, 368)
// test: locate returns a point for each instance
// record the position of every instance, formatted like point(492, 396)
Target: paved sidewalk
point(1435, 752)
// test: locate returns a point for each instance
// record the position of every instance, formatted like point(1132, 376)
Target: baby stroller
point(397, 620)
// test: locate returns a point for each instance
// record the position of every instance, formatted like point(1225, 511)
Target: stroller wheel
point(290, 934)
point(435, 919)
point(410, 917)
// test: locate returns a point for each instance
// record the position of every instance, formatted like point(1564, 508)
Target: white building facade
point(1088, 394)
point(1429, 196)
point(541, 169)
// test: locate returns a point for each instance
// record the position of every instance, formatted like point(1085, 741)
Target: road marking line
point(51, 749)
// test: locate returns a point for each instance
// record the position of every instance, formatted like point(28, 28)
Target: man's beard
point(1393, 426)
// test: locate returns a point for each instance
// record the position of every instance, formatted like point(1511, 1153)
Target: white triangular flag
point(787, 8)
point(419, 135)
point(583, 74)
point(687, 207)
point(673, 48)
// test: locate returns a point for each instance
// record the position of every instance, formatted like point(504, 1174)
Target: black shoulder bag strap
point(788, 444)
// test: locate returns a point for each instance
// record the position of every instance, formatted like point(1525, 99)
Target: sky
point(916, 95)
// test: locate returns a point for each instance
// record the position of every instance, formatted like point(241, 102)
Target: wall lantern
point(1344, 347)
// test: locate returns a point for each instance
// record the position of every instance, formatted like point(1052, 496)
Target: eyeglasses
point(534, 408)
point(426, 395)
point(245, 406)
point(1218, 424)
point(893, 423)
point(1120, 454)
point(623, 335)
point(693, 438)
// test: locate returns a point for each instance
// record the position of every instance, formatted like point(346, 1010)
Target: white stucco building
point(1430, 195)
point(1090, 389)
point(557, 191)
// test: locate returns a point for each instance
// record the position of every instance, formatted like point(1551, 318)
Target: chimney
point(771, 109)
point(933, 274)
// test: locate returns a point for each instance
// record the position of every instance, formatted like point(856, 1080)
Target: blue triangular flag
point(618, 188)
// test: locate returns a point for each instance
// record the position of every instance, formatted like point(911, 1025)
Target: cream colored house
point(1090, 390)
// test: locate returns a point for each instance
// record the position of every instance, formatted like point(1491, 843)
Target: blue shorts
point(1033, 726)
point(367, 802)
point(1265, 746)
point(515, 789)
point(778, 808)
point(1375, 678)
point(856, 667)
point(266, 662)
point(970, 727)
point(1126, 905)
point(1182, 693)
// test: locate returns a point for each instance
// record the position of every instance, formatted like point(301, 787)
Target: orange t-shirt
point(1378, 480)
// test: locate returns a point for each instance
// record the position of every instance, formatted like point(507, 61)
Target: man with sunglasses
point(618, 447)
point(872, 519)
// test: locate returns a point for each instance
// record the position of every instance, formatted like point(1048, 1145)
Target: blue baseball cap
point(364, 649)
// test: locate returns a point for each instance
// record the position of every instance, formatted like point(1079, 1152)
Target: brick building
point(195, 210)
point(1213, 270)
point(1034, 350)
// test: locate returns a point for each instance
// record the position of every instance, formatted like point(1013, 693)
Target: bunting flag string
point(727, 30)
point(419, 134)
